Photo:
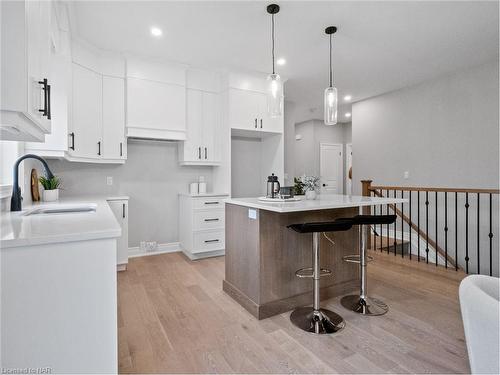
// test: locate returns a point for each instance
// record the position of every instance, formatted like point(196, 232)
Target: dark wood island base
point(262, 255)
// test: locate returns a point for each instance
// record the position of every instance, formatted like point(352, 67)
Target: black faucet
point(16, 199)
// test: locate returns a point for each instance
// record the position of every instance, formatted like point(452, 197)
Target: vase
point(310, 195)
point(50, 195)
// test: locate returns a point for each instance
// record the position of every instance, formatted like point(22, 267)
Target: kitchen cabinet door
point(113, 118)
point(245, 109)
point(270, 124)
point(194, 122)
point(210, 128)
point(120, 210)
point(85, 135)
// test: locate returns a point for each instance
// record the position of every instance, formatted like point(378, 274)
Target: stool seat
point(372, 219)
point(323, 226)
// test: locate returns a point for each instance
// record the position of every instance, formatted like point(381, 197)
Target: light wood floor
point(174, 318)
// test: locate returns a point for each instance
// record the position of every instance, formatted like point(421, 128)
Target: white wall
point(151, 177)
point(444, 132)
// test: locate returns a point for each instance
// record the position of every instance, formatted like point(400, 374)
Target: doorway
point(348, 166)
point(331, 168)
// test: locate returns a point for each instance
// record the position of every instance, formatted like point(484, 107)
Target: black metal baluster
point(436, 250)
point(427, 227)
point(402, 225)
point(387, 225)
point(478, 238)
point(445, 229)
point(418, 225)
point(456, 231)
point(466, 233)
point(490, 235)
point(395, 226)
point(409, 234)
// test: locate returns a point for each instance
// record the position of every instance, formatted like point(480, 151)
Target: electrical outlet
point(109, 180)
point(406, 175)
point(151, 246)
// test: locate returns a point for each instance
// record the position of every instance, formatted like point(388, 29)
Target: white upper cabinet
point(247, 107)
point(113, 118)
point(156, 100)
point(25, 84)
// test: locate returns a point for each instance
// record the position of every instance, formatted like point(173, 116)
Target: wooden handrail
point(439, 190)
point(419, 231)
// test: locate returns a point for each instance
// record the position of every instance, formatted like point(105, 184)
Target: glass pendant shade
point(331, 100)
point(274, 95)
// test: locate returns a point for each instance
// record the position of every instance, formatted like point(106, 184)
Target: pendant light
point(331, 97)
point(274, 84)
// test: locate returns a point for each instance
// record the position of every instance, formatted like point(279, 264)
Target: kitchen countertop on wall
point(20, 229)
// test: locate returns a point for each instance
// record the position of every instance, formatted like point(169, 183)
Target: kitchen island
point(262, 254)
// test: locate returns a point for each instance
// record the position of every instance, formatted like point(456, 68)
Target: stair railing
point(457, 223)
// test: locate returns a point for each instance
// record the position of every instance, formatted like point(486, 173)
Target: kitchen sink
point(62, 209)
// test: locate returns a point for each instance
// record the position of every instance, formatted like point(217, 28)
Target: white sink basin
point(62, 209)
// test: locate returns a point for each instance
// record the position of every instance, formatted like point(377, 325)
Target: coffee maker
point(273, 186)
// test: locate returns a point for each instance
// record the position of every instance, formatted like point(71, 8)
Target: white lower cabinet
point(202, 225)
point(119, 206)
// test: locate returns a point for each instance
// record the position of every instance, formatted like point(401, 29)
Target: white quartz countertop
point(19, 229)
point(204, 195)
point(322, 202)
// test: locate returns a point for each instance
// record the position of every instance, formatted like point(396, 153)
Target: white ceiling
point(379, 46)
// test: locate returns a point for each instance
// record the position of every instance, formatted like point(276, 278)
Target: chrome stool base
point(320, 321)
point(364, 306)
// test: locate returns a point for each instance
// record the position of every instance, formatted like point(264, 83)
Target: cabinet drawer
point(208, 203)
point(210, 219)
point(209, 241)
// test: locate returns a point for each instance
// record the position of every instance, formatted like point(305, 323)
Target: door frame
point(341, 172)
point(348, 149)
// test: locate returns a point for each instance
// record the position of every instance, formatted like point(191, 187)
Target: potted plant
point(311, 183)
point(50, 188)
point(298, 187)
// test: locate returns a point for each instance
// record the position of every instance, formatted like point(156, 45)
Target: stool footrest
point(308, 272)
point(355, 259)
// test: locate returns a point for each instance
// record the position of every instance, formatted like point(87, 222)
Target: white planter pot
point(310, 195)
point(50, 195)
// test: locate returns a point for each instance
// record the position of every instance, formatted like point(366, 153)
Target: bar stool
point(361, 303)
point(314, 319)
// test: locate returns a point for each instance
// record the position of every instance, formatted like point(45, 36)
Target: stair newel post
point(366, 192)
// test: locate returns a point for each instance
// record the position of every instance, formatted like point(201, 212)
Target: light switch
point(252, 214)
point(109, 180)
point(406, 175)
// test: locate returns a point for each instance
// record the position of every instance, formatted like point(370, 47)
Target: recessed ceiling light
point(347, 98)
point(281, 61)
point(156, 31)
point(348, 114)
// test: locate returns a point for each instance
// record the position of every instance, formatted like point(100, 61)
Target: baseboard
point(173, 247)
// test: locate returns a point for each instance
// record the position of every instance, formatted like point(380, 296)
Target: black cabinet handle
point(49, 113)
point(205, 153)
point(209, 241)
point(99, 148)
point(255, 123)
point(121, 149)
point(199, 152)
point(211, 202)
point(123, 210)
point(45, 111)
point(324, 184)
point(212, 219)
point(72, 135)
point(261, 123)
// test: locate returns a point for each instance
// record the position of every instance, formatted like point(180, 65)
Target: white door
point(331, 168)
point(348, 166)
point(120, 210)
point(86, 113)
point(245, 109)
point(113, 118)
point(210, 126)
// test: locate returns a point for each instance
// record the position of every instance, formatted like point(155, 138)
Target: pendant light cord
point(272, 32)
point(331, 72)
